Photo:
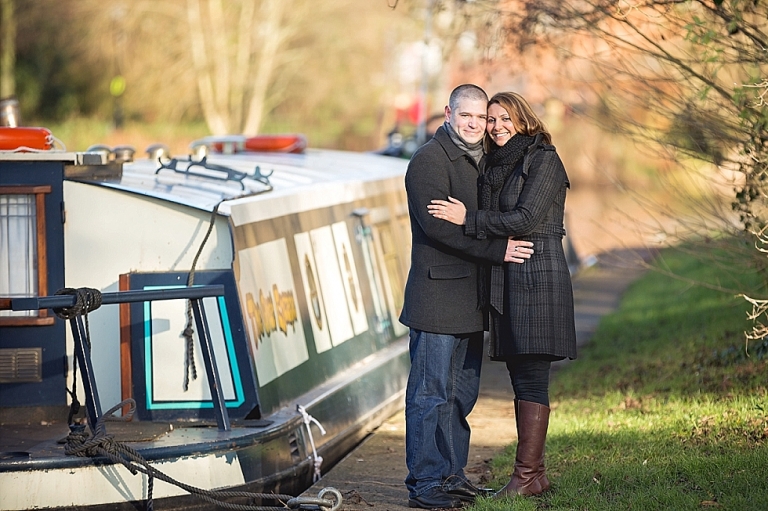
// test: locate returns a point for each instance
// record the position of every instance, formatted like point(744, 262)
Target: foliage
point(54, 79)
point(688, 76)
point(759, 312)
point(328, 71)
point(665, 408)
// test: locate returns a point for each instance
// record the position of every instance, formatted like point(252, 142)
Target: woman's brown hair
point(524, 119)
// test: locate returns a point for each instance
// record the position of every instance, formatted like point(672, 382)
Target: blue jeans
point(442, 389)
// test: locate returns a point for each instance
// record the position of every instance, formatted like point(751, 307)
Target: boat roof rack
point(220, 172)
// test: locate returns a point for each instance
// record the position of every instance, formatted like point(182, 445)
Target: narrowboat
point(227, 317)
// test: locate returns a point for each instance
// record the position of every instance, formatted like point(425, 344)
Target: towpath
point(371, 477)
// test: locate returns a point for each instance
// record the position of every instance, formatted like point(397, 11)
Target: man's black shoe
point(464, 490)
point(434, 498)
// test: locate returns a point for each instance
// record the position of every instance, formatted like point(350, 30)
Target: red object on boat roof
point(20, 138)
point(277, 143)
point(231, 144)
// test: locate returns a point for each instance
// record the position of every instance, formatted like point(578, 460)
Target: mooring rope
point(80, 443)
point(317, 460)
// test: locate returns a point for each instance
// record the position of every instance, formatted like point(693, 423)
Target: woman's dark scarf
point(498, 167)
point(500, 164)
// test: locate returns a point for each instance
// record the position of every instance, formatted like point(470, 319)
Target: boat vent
point(21, 365)
point(293, 442)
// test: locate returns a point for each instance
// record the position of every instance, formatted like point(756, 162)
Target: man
point(442, 305)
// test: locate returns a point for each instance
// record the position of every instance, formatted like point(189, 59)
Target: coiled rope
point(80, 443)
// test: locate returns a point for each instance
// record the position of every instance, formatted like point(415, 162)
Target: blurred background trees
point(633, 90)
point(239, 66)
point(658, 107)
point(688, 81)
point(7, 48)
point(687, 77)
point(344, 72)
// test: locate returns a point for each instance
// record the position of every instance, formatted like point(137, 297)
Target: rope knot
point(86, 300)
point(80, 443)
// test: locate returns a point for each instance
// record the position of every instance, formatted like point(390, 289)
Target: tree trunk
point(204, 71)
point(8, 48)
point(271, 35)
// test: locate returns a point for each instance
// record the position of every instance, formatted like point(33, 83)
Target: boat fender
point(25, 139)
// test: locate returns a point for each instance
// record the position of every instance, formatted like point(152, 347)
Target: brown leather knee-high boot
point(529, 476)
point(544, 480)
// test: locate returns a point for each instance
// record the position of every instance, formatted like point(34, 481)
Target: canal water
point(601, 218)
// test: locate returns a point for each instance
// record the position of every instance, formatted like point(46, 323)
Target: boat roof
point(252, 176)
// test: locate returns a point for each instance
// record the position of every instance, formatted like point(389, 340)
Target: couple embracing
point(486, 198)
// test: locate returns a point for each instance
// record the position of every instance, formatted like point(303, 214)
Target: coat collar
point(451, 149)
point(538, 142)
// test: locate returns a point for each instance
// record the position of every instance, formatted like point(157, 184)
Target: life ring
point(21, 138)
point(292, 143)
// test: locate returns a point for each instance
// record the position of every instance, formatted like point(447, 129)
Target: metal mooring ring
point(319, 501)
point(336, 496)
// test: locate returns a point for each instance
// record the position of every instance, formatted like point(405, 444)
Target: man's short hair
point(466, 91)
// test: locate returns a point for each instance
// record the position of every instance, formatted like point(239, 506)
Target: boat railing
point(214, 171)
point(194, 294)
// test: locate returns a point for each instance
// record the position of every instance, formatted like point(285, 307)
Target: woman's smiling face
point(499, 125)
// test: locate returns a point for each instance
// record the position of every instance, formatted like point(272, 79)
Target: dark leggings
point(530, 377)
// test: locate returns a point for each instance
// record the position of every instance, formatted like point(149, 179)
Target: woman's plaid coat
point(537, 297)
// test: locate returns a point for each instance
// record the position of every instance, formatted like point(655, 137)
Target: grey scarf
point(475, 151)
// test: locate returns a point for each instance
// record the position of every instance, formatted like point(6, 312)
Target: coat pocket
point(449, 271)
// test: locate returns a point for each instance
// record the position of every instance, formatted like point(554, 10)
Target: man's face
point(468, 119)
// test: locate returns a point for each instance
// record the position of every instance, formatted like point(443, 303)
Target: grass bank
point(665, 409)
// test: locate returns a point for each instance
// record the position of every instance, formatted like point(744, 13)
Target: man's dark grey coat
point(441, 295)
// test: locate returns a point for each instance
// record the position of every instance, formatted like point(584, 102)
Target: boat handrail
point(70, 299)
point(59, 301)
point(230, 174)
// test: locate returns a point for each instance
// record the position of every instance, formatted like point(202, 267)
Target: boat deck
point(28, 437)
point(44, 440)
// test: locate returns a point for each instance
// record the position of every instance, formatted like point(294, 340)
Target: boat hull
point(308, 254)
point(271, 455)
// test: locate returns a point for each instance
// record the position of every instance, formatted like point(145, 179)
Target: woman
point(522, 195)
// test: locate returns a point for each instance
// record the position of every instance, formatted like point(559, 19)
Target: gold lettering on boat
point(271, 312)
point(286, 309)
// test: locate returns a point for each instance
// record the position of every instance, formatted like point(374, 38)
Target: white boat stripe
point(101, 485)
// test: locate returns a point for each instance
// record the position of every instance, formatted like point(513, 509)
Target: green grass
point(665, 409)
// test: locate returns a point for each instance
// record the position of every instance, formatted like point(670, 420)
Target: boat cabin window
point(389, 248)
point(23, 256)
